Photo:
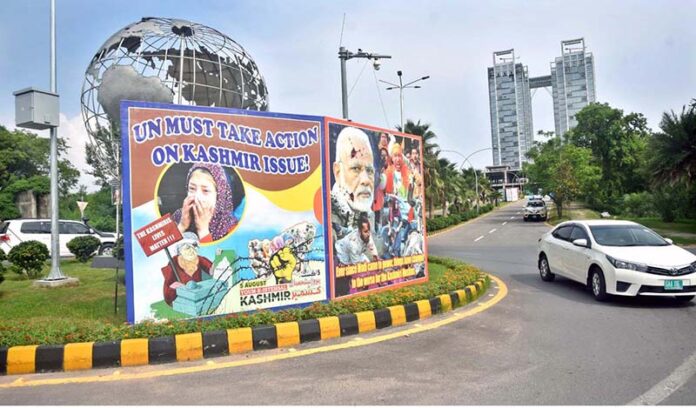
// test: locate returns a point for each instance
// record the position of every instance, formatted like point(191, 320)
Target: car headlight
point(619, 264)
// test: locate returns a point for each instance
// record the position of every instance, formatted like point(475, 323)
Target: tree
point(104, 153)
point(673, 149)
point(617, 143)
point(24, 165)
point(564, 171)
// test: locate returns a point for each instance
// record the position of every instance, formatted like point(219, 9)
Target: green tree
point(564, 171)
point(24, 165)
point(104, 154)
point(617, 142)
point(673, 149)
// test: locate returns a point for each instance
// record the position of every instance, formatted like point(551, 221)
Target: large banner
point(229, 211)
point(376, 202)
point(223, 210)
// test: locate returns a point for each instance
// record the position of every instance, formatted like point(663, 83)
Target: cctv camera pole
point(55, 273)
point(401, 88)
point(344, 55)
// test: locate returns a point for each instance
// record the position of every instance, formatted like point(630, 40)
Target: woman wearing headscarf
point(208, 208)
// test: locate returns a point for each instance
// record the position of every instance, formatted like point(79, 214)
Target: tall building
point(572, 77)
point(511, 109)
point(573, 87)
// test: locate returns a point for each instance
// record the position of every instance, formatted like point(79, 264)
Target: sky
point(645, 55)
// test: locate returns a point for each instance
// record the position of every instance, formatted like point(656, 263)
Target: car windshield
point(3, 227)
point(626, 235)
point(535, 204)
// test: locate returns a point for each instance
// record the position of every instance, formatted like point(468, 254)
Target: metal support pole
point(114, 252)
point(342, 55)
point(401, 102)
point(477, 190)
point(55, 273)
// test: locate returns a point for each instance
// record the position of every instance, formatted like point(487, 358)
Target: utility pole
point(344, 55)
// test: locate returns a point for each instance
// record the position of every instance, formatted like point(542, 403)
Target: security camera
point(376, 65)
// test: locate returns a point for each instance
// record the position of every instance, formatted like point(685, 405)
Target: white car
point(12, 232)
point(535, 210)
point(617, 258)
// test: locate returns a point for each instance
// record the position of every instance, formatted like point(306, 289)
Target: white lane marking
point(492, 231)
point(666, 387)
point(478, 238)
point(519, 212)
point(512, 218)
point(505, 223)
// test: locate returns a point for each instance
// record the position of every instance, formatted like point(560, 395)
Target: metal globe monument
point(170, 61)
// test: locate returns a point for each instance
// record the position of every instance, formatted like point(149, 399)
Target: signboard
point(376, 202)
point(229, 211)
point(236, 199)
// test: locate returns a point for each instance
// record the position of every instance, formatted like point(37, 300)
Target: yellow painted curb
point(288, 334)
point(21, 360)
point(134, 352)
point(240, 340)
point(366, 321)
point(398, 315)
point(189, 346)
point(77, 356)
point(329, 327)
point(446, 303)
point(424, 309)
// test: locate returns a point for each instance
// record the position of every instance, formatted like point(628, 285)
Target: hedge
point(440, 222)
point(58, 331)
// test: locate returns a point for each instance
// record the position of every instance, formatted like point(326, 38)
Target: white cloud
point(73, 131)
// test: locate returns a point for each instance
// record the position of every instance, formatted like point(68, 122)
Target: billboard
point(376, 204)
point(229, 211)
point(223, 210)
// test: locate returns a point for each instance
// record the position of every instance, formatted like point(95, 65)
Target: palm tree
point(673, 150)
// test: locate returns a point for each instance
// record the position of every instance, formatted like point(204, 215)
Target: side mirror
point(669, 241)
point(581, 243)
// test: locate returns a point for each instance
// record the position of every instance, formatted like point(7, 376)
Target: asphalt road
point(545, 343)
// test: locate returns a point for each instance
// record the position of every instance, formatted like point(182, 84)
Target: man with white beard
point(354, 173)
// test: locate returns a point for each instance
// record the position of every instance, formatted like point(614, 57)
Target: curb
point(200, 345)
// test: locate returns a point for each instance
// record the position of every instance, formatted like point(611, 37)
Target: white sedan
point(617, 258)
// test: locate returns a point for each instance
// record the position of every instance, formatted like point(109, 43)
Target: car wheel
point(684, 299)
point(545, 270)
point(598, 285)
point(107, 250)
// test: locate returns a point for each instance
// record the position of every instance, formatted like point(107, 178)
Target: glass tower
point(573, 81)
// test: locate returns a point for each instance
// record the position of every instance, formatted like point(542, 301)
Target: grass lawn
point(33, 315)
point(682, 232)
point(92, 300)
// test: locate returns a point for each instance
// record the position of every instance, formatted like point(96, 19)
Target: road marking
point(505, 223)
point(512, 218)
point(492, 231)
point(481, 237)
point(502, 293)
point(666, 387)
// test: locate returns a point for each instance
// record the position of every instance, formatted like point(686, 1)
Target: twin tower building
point(572, 81)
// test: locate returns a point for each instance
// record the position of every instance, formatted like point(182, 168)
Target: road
point(544, 343)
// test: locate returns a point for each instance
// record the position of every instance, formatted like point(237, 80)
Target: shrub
point(83, 247)
point(29, 257)
point(638, 204)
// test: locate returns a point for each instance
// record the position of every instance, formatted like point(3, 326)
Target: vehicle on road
point(619, 258)
point(535, 209)
point(12, 232)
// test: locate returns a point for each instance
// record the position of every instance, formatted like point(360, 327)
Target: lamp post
point(401, 88)
point(466, 160)
point(344, 55)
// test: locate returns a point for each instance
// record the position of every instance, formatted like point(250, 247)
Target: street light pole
point(466, 160)
point(401, 88)
point(344, 55)
point(55, 273)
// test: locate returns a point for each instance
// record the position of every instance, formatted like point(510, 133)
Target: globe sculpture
point(172, 61)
